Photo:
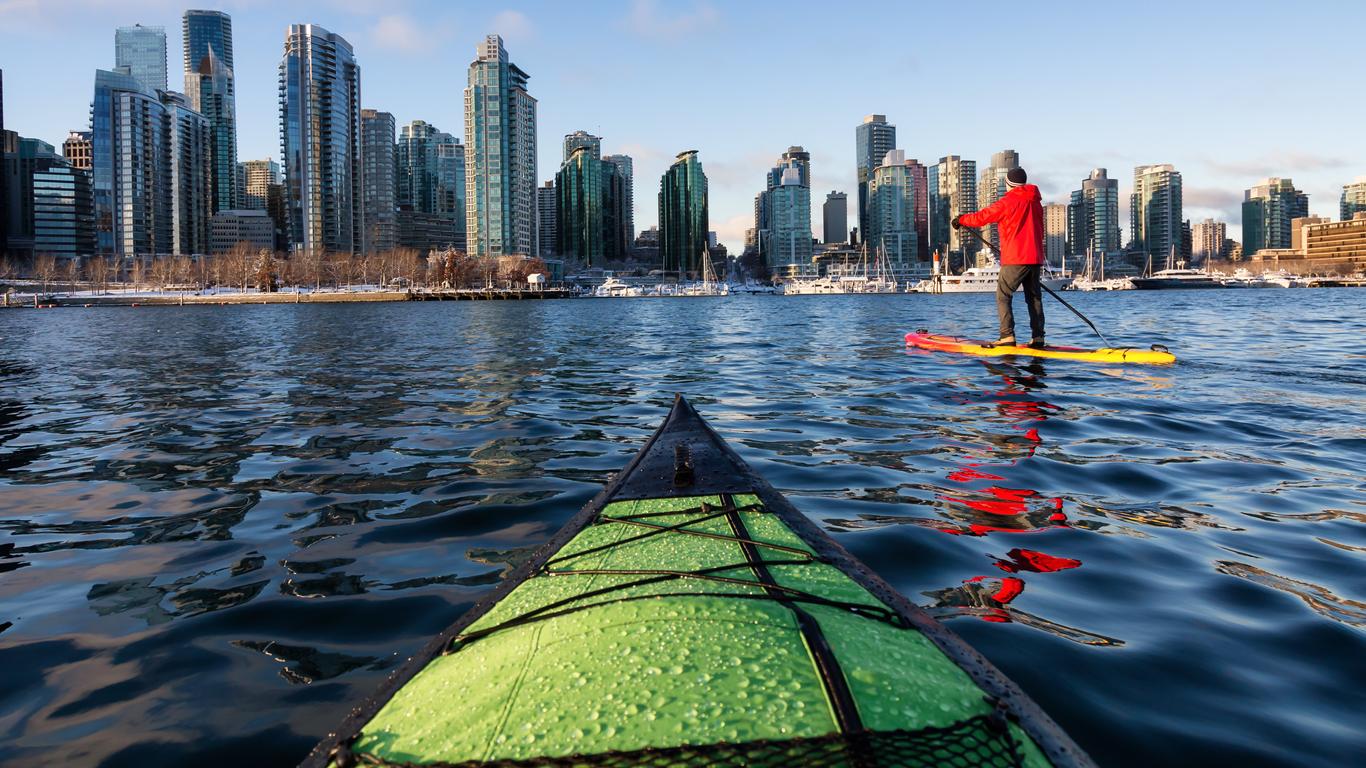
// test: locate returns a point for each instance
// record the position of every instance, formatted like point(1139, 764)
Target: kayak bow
point(690, 615)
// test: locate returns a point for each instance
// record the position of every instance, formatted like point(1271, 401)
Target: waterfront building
point(626, 170)
point(646, 247)
point(582, 140)
point(378, 195)
point(141, 52)
point(150, 154)
point(253, 228)
point(1208, 239)
point(76, 150)
point(589, 209)
point(1093, 215)
point(683, 222)
point(4, 173)
point(450, 184)
point(1299, 227)
point(416, 177)
point(320, 141)
point(1336, 246)
point(63, 212)
point(500, 156)
point(873, 139)
point(795, 157)
point(921, 175)
point(789, 247)
point(953, 192)
point(835, 217)
point(425, 232)
point(189, 149)
point(1055, 233)
point(892, 212)
point(1155, 212)
point(1353, 199)
point(547, 217)
point(1268, 208)
point(210, 86)
point(992, 187)
point(255, 178)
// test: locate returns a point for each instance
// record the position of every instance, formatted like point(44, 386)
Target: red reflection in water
point(1035, 562)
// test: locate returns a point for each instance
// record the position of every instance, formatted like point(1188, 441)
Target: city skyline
point(627, 92)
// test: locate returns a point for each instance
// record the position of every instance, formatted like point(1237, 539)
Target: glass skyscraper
point(1353, 199)
point(63, 212)
point(320, 141)
point(141, 52)
point(210, 86)
point(1268, 208)
point(188, 154)
point(585, 140)
point(953, 192)
point(835, 217)
point(992, 186)
point(377, 152)
point(892, 211)
point(683, 219)
point(500, 156)
point(626, 170)
point(788, 251)
point(1093, 216)
point(1155, 212)
point(874, 138)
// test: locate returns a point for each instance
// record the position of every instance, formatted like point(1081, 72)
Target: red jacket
point(1019, 216)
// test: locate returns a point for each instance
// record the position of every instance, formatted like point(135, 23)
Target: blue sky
point(1229, 92)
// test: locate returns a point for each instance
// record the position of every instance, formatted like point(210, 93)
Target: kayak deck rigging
point(778, 648)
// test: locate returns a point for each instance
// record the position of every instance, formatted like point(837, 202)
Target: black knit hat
point(1016, 177)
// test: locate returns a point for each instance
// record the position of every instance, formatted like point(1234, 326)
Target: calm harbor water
point(221, 525)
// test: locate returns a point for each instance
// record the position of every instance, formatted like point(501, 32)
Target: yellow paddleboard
point(1156, 355)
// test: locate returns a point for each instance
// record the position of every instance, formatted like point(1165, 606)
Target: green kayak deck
point(689, 615)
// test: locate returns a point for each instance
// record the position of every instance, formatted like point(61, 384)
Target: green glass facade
point(500, 156)
point(1155, 212)
point(683, 219)
point(211, 88)
point(1268, 209)
point(588, 209)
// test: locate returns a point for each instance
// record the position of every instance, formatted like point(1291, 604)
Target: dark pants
point(1013, 276)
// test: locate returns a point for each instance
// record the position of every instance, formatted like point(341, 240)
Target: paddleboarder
point(1019, 217)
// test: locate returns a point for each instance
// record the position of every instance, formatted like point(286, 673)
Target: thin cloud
point(514, 26)
point(1281, 164)
point(648, 19)
point(398, 32)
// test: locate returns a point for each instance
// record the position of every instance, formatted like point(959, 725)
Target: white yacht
point(612, 288)
point(983, 280)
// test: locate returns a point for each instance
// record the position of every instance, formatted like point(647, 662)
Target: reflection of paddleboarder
point(1019, 217)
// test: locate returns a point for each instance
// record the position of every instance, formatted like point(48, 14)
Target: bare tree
point(138, 272)
point(6, 267)
point(265, 271)
point(45, 268)
point(98, 270)
point(71, 273)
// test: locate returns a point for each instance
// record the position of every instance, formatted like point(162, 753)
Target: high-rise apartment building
point(416, 176)
point(588, 209)
point(255, 177)
point(1268, 209)
point(548, 219)
point(211, 88)
point(873, 139)
point(626, 170)
point(1093, 215)
point(582, 140)
point(76, 149)
point(450, 185)
point(1353, 199)
point(141, 52)
point(992, 187)
point(794, 157)
point(500, 156)
point(835, 217)
point(320, 141)
point(1155, 212)
point(892, 211)
point(789, 248)
point(377, 197)
point(1208, 239)
point(683, 222)
point(953, 192)
point(431, 184)
point(63, 212)
point(1055, 233)
point(150, 154)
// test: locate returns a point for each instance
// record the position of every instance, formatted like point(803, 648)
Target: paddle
point(988, 244)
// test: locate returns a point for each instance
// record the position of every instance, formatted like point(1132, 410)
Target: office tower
point(1353, 199)
point(76, 149)
point(952, 186)
point(582, 139)
point(500, 156)
point(1155, 211)
point(211, 88)
point(874, 138)
point(431, 185)
point(63, 212)
point(377, 155)
point(253, 228)
point(588, 208)
point(789, 234)
point(256, 177)
point(23, 159)
point(1207, 241)
point(892, 211)
point(683, 222)
point(835, 215)
point(626, 170)
point(320, 141)
point(450, 185)
point(1055, 233)
point(1268, 208)
point(189, 155)
point(1093, 215)
point(548, 219)
point(761, 224)
point(416, 176)
point(992, 187)
point(141, 52)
